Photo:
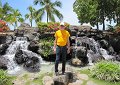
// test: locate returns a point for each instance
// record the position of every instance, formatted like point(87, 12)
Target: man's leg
point(57, 58)
point(64, 54)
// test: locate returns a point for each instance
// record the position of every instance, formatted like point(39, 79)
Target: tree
point(86, 11)
point(97, 11)
point(50, 8)
point(5, 10)
point(30, 16)
point(15, 17)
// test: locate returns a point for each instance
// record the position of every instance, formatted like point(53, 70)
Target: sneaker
point(56, 73)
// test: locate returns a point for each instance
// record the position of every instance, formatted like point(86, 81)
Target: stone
point(83, 76)
point(3, 48)
point(77, 82)
point(33, 46)
point(76, 61)
point(3, 63)
point(47, 80)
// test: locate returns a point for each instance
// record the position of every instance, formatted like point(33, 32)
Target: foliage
point(42, 26)
point(3, 26)
point(117, 29)
point(106, 70)
point(53, 26)
point(4, 78)
point(50, 26)
point(30, 16)
point(111, 28)
point(97, 11)
point(48, 7)
point(46, 46)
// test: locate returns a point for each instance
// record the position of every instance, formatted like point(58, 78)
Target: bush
point(4, 78)
point(50, 26)
point(46, 46)
point(106, 70)
point(3, 26)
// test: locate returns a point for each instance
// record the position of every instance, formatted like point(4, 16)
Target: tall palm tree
point(31, 14)
point(5, 10)
point(50, 8)
point(15, 17)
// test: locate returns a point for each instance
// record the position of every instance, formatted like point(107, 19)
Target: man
point(61, 46)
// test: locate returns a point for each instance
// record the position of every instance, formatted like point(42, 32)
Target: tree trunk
point(103, 21)
point(47, 17)
point(97, 26)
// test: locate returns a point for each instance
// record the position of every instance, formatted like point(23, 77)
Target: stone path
point(72, 77)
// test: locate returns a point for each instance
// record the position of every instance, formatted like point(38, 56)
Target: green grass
point(97, 81)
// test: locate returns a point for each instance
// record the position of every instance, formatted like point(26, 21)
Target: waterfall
point(20, 43)
point(94, 50)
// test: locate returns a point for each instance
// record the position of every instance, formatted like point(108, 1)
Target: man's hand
point(54, 50)
point(68, 50)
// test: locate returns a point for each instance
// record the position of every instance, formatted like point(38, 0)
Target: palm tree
point(5, 10)
point(30, 15)
point(50, 8)
point(15, 17)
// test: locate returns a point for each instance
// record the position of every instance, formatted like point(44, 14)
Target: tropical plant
point(3, 26)
point(106, 70)
point(5, 79)
point(97, 11)
point(50, 26)
point(14, 18)
point(49, 8)
point(42, 27)
point(5, 10)
point(46, 46)
point(30, 16)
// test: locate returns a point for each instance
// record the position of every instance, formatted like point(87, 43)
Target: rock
point(3, 48)
point(47, 80)
point(60, 80)
point(77, 82)
point(32, 65)
point(30, 60)
point(83, 76)
point(33, 46)
point(24, 25)
point(20, 58)
point(75, 61)
point(3, 63)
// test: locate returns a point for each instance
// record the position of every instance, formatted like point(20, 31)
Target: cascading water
point(94, 49)
point(20, 43)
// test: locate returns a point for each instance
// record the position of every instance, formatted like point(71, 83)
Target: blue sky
point(66, 10)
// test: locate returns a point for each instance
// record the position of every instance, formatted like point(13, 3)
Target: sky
point(67, 9)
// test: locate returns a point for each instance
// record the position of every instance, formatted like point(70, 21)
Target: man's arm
point(68, 45)
point(55, 44)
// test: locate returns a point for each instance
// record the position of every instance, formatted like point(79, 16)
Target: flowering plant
point(55, 25)
point(3, 26)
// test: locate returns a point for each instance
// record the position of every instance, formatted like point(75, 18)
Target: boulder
point(33, 46)
point(3, 63)
point(28, 59)
point(3, 48)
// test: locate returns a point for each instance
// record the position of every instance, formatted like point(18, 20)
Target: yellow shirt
point(62, 37)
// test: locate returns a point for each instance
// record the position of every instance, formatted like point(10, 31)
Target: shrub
point(106, 70)
point(42, 26)
point(3, 26)
point(50, 26)
point(46, 46)
point(4, 78)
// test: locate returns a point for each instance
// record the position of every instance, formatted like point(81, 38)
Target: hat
point(62, 23)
